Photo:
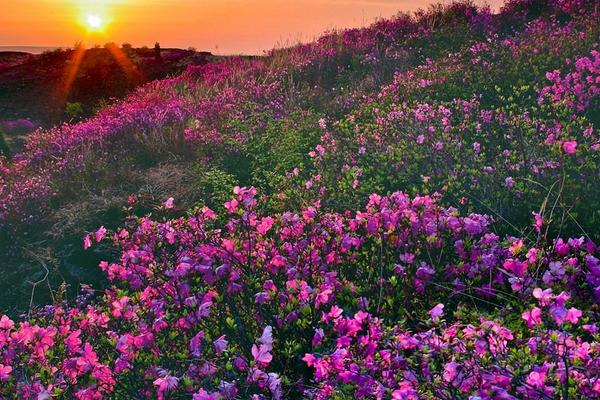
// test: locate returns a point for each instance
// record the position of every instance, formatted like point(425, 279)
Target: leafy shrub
point(319, 304)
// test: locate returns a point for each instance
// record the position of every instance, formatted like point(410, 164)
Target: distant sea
point(28, 49)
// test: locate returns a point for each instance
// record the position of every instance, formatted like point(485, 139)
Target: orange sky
point(220, 26)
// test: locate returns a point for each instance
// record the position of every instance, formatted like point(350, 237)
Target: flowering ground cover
point(414, 215)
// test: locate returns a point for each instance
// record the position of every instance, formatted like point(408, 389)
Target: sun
point(94, 22)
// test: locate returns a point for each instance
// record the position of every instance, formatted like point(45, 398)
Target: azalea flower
point(220, 344)
point(265, 225)
point(100, 234)
point(165, 384)
point(204, 395)
point(169, 203)
point(87, 242)
point(262, 354)
point(570, 147)
point(539, 222)
point(532, 317)
point(6, 323)
point(436, 312)
point(5, 371)
point(536, 378)
point(196, 343)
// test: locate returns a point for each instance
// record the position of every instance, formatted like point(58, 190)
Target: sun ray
point(130, 69)
point(70, 74)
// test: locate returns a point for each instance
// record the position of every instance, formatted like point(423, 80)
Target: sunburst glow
point(94, 22)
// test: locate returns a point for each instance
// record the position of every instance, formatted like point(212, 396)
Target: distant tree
point(74, 110)
point(157, 55)
point(127, 47)
point(102, 104)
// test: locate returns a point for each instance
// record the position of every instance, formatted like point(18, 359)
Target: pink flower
point(536, 378)
point(87, 242)
point(533, 317)
point(265, 225)
point(100, 234)
point(436, 312)
point(5, 371)
point(406, 391)
point(166, 384)
point(543, 296)
point(169, 203)
point(573, 315)
point(119, 307)
point(231, 206)
point(570, 147)
point(6, 323)
point(516, 267)
point(323, 297)
point(539, 222)
point(73, 342)
point(309, 359)
point(262, 354)
point(204, 395)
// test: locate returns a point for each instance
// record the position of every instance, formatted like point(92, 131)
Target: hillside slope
point(38, 87)
point(414, 215)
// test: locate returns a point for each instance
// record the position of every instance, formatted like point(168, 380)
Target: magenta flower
point(87, 242)
point(5, 371)
point(543, 296)
point(165, 384)
point(532, 317)
point(169, 203)
point(573, 315)
point(196, 344)
point(231, 206)
point(570, 147)
point(536, 379)
point(265, 225)
point(538, 223)
point(100, 234)
point(220, 344)
point(204, 395)
point(6, 323)
point(318, 337)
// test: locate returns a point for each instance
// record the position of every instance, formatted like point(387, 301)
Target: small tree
point(157, 55)
point(74, 110)
point(4, 149)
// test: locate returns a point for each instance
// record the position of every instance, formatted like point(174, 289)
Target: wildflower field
point(405, 211)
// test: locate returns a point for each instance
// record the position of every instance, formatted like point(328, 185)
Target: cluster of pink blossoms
point(318, 304)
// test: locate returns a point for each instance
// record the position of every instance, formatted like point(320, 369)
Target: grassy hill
point(414, 214)
point(37, 87)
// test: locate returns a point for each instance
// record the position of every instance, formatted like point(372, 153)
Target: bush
point(320, 305)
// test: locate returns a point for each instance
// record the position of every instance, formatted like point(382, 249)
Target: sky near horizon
point(220, 26)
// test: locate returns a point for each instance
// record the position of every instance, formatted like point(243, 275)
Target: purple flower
point(436, 312)
point(220, 344)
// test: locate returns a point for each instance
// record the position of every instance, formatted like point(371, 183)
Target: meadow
point(405, 211)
